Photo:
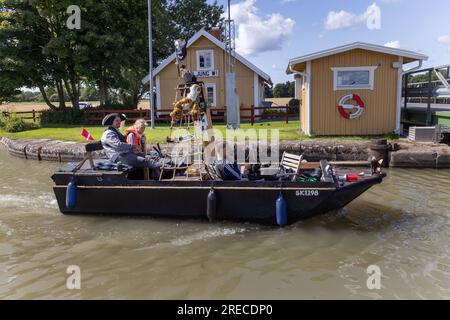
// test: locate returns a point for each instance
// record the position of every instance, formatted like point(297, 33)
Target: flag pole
point(150, 54)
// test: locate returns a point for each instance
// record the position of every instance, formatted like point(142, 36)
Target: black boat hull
point(236, 201)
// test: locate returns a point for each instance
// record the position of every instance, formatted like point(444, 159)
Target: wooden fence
point(26, 115)
point(217, 114)
point(162, 115)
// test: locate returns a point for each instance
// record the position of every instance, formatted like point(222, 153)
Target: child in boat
point(136, 135)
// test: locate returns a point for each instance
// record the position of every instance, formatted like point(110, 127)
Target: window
point(211, 94)
point(205, 60)
point(354, 78)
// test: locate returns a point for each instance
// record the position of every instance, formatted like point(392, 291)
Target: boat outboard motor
point(281, 206)
point(71, 194)
point(211, 205)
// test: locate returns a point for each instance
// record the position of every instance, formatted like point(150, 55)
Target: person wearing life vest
point(136, 135)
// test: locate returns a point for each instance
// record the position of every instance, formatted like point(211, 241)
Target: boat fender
point(211, 207)
point(71, 194)
point(281, 211)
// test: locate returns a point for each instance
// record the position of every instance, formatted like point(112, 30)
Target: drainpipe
point(401, 73)
point(307, 80)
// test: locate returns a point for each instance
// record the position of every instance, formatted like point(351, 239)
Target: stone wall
point(409, 155)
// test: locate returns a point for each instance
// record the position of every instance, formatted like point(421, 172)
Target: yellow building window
point(211, 94)
point(205, 60)
point(348, 78)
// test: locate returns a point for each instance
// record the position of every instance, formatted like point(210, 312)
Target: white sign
point(206, 73)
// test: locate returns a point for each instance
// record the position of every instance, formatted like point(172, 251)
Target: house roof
point(357, 45)
point(217, 42)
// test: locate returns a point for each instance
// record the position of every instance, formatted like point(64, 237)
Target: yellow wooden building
point(206, 60)
point(354, 89)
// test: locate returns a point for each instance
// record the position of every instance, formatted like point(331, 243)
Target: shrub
point(294, 106)
point(63, 116)
point(115, 106)
point(14, 124)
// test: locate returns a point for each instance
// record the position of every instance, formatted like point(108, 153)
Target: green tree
point(110, 51)
point(284, 90)
point(268, 91)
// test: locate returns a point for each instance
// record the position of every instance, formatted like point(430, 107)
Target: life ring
point(342, 107)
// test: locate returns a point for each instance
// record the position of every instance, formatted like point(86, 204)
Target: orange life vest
point(137, 141)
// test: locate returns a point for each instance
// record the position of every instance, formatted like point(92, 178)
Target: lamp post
point(150, 54)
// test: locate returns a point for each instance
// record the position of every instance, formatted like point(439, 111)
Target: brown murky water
point(402, 226)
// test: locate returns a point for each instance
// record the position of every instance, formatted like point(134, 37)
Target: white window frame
point(214, 86)
point(198, 53)
point(369, 86)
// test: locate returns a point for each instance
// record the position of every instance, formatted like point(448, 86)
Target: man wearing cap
point(118, 150)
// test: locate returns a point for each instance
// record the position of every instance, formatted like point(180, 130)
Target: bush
point(14, 124)
point(294, 106)
point(115, 106)
point(272, 113)
point(63, 116)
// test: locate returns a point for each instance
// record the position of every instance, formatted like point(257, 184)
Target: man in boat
point(118, 150)
point(136, 135)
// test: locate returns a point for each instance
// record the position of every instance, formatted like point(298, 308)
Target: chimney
point(216, 33)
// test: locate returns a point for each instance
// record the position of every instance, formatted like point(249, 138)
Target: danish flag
point(87, 135)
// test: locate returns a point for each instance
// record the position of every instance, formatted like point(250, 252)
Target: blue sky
point(270, 32)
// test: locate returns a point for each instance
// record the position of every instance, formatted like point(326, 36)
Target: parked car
point(85, 105)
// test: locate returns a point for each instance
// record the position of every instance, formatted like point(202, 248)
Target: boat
point(294, 191)
point(125, 192)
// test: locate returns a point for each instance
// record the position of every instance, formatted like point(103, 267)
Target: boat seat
point(94, 146)
point(90, 147)
point(292, 162)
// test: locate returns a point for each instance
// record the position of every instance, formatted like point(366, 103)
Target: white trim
point(256, 96)
point(398, 113)
point(217, 42)
point(214, 86)
point(369, 86)
point(158, 93)
point(198, 53)
point(308, 98)
point(358, 45)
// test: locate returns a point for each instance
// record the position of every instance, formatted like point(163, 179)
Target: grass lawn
point(288, 131)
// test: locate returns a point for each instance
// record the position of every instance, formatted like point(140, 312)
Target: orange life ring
point(343, 107)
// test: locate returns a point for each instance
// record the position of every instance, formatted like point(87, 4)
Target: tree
point(37, 49)
point(268, 91)
point(284, 90)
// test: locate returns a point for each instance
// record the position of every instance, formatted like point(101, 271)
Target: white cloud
point(444, 40)
point(393, 44)
point(339, 20)
point(256, 33)
point(343, 19)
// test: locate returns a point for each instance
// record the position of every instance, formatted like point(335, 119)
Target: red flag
point(87, 135)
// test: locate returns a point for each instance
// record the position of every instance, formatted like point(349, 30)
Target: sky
point(271, 32)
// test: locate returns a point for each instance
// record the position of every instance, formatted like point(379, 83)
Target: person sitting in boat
point(118, 150)
point(136, 135)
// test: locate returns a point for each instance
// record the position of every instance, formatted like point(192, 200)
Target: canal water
point(402, 227)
